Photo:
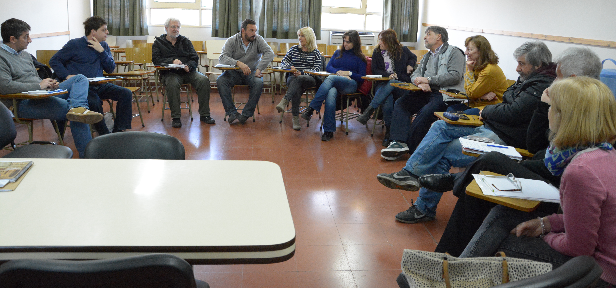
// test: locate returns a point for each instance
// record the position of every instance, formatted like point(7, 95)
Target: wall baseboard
point(52, 34)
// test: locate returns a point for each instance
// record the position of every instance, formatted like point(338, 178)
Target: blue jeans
point(438, 152)
point(328, 92)
point(124, 106)
point(225, 83)
point(384, 96)
point(422, 103)
point(493, 236)
point(55, 109)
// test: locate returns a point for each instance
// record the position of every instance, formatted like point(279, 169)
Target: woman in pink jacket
point(582, 119)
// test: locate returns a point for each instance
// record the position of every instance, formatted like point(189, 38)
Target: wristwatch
point(429, 78)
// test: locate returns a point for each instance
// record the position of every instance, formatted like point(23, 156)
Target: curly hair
point(390, 38)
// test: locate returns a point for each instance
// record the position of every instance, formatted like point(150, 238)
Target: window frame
point(152, 4)
point(347, 10)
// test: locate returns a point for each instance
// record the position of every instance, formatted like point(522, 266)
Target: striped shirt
point(302, 60)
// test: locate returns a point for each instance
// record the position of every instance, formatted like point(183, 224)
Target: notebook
point(477, 147)
point(528, 188)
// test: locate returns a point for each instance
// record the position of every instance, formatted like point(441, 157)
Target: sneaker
point(242, 119)
point(327, 136)
point(413, 215)
point(402, 180)
point(364, 117)
point(282, 105)
point(296, 125)
point(232, 117)
point(308, 113)
point(208, 120)
point(83, 115)
point(176, 123)
point(394, 150)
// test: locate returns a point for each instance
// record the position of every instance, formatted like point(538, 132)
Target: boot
point(296, 125)
point(282, 105)
point(308, 113)
point(364, 117)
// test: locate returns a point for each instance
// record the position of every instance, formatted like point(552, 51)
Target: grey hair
point(580, 61)
point(537, 53)
point(439, 30)
point(172, 20)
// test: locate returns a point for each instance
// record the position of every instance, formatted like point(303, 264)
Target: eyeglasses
point(174, 27)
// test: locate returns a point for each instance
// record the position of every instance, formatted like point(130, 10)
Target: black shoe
point(242, 119)
point(437, 182)
point(386, 140)
point(208, 120)
point(364, 117)
point(232, 117)
point(176, 123)
point(413, 215)
point(327, 136)
point(308, 113)
point(402, 180)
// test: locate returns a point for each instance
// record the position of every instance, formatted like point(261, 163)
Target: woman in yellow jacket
point(484, 81)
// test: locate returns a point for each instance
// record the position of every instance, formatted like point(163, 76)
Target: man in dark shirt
point(173, 48)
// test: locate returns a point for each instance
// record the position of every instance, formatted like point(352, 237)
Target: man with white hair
point(173, 48)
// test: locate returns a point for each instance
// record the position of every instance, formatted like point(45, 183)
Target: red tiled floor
point(346, 235)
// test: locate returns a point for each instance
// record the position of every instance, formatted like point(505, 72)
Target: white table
point(206, 212)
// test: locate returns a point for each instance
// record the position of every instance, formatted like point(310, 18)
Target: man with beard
point(251, 54)
point(505, 123)
point(173, 48)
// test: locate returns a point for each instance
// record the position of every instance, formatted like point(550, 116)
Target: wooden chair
point(43, 56)
point(420, 54)
point(367, 50)
point(322, 48)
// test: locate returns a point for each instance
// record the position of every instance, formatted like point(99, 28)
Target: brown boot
point(282, 105)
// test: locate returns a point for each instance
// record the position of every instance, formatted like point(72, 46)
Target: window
point(190, 12)
point(361, 15)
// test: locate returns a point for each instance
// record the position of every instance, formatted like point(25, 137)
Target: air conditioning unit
point(367, 38)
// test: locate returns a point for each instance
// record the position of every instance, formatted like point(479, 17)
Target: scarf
point(556, 160)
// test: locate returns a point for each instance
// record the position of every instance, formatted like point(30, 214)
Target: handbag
point(433, 269)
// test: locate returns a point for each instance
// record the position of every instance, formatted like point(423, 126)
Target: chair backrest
point(8, 131)
point(43, 56)
point(154, 270)
point(135, 145)
point(141, 54)
point(139, 43)
point(198, 45)
point(322, 48)
point(274, 46)
point(420, 54)
point(580, 271)
point(331, 49)
point(367, 50)
point(214, 48)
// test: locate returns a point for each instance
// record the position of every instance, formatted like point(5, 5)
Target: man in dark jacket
point(173, 48)
point(505, 123)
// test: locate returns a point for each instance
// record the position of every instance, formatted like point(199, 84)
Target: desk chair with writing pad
point(152, 271)
point(33, 150)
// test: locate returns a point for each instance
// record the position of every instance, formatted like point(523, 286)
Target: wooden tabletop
point(320, 73)
point(30, 96)
point(283, 70)
point(375, 78)
point(454, 95)
point(99, 81)
point(519, 204)
point(472, 121)
point(406, 86)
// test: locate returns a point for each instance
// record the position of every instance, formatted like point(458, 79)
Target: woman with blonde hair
point(301, 57)
point(484, 80)
point(389, 59)
point(582, 119)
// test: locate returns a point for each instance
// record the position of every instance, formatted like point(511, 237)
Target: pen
point(497, 146)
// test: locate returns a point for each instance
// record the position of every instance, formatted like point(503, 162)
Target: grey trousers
point(228, 79)
point(173, 82)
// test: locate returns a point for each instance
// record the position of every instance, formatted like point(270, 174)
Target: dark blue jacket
point(348, 62)
point(77, 58)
